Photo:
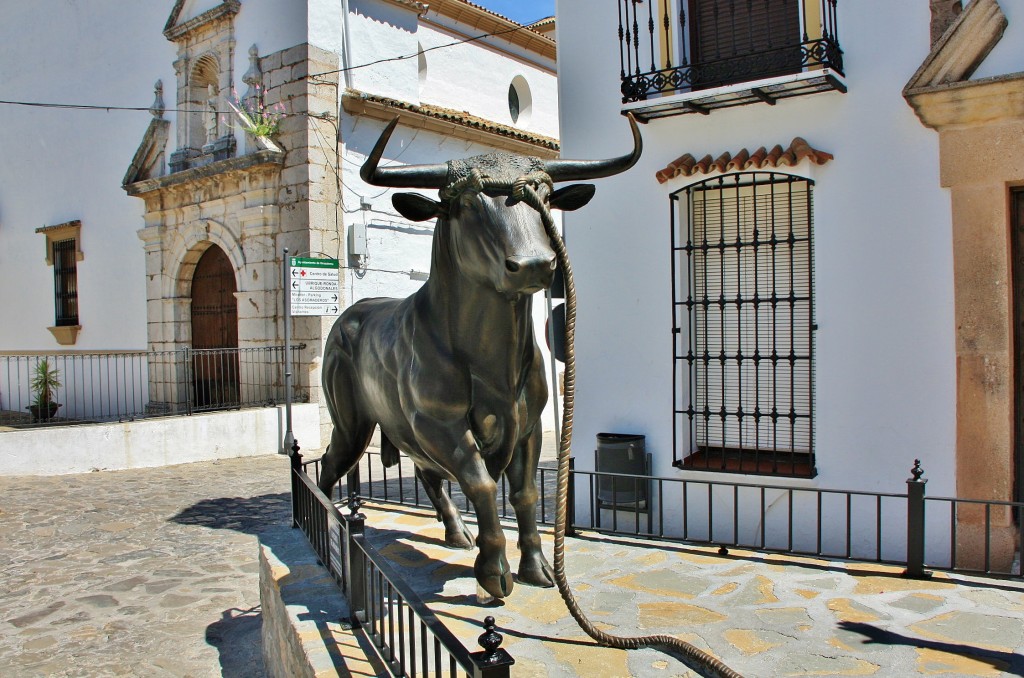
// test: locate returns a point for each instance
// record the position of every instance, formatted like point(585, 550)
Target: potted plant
point(44, 384)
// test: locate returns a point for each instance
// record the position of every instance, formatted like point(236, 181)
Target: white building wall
point(885, 363)
point(64, 164)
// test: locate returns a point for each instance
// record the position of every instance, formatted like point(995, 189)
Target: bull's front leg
point(462, 457)
point(522, 479)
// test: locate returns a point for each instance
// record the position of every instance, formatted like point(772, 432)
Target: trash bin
point(623, 453)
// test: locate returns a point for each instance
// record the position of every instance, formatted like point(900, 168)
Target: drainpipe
point(346, 50)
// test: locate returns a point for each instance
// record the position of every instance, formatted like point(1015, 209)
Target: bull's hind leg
point(522, 479)
point(456, 534)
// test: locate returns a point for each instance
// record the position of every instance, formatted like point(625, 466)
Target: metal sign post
point(312, 289)
point(289, 437)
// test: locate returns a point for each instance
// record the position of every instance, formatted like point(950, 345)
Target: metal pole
point(554, 367)
point(289, 437)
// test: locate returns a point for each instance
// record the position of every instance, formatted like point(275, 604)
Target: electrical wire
point(109, 108)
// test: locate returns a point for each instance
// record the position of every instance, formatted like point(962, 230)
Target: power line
point(464, 41)
point(97, 107)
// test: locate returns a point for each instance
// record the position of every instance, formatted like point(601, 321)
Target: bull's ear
point(572, 197)
point(415, 207)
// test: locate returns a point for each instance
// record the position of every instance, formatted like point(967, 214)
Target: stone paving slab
point(149, 572)
point(764, 615)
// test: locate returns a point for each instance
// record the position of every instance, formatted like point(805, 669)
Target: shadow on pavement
point(237, 637)
point(249, 515)
point(1006, 662)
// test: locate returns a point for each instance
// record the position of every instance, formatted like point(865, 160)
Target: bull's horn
point(578, 170)
point(408, 176)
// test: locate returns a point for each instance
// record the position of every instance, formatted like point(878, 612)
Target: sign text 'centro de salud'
point(313, 286)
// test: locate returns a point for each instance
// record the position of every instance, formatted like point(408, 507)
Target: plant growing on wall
point(44, 384)
point(257, 119)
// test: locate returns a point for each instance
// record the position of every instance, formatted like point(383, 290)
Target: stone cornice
point(174, 31)
point(268, 158)
point(155, 138)
point(974, 102)
point(449, 122)
point(963, 46)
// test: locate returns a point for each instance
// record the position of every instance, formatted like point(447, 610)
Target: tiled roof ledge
point(798, 150)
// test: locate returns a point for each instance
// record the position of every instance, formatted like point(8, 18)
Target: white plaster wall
point(273, 25)
point(382, 30)
point(472, 77)
point(885, 364)
point(1008, 54)
point(155, 442)
point(59, 165)
point(476, 77)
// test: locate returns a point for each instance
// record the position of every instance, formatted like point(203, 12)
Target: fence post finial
point(493, 661)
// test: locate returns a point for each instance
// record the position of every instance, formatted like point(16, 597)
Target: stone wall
point(303, 635)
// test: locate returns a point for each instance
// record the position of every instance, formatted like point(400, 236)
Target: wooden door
point(214, 332)
point(735, 41)
point(1017, 242)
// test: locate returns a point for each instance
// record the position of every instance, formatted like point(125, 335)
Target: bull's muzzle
point(529, 274)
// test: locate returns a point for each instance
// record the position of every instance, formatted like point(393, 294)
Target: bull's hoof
point(536, 572)
point(497, 585)
point(459, 538)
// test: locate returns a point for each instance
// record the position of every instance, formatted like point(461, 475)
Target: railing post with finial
point(915, 523)
point(295, 460)
point(493, 661)
point(355, 572)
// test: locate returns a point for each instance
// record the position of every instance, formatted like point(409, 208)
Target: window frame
point(727, 350)
point(65, 276)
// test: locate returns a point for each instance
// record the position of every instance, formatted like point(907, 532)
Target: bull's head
point(492, 236)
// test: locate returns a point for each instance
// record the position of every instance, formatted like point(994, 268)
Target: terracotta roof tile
point(797, 151)
point(460, 118)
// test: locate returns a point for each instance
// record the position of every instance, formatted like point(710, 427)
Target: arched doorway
point(214, 332)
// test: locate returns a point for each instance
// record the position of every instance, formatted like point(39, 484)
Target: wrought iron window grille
point(743, 325)
point(676, 46)
point(65, 282)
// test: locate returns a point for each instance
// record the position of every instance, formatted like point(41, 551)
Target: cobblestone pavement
point(147, 572)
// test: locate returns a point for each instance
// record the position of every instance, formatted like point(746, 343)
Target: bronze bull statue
point(453, 374)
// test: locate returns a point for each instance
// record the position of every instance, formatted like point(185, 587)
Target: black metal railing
point(123, 386)
point(908, 529)
point(402, 630)
point(675, 46)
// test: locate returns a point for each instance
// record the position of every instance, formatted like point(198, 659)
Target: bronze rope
point(524, 188)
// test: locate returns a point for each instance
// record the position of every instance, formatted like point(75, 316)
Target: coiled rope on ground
point(525, 188)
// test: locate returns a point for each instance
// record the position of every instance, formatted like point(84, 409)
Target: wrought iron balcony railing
point(680, 46)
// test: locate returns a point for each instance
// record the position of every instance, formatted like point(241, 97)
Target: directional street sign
point(314, 287)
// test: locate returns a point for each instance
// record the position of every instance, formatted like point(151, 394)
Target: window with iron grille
point(65, 282)
point(743, 322)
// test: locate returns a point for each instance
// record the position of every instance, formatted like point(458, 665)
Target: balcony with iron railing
point(694, 56)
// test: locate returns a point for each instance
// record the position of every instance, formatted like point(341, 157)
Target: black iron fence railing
point(123, 386)
point(908, 529)
point(675, 46)
point(404, 633)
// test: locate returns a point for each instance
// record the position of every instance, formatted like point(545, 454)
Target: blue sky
point(523, 11)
